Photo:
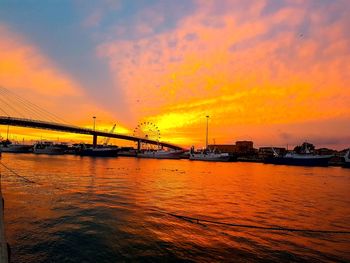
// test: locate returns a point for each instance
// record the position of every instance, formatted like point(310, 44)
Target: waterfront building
point(244, 147)
point(239, 148)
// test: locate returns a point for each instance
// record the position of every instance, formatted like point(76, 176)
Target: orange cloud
point(256, 71)
point(23, 66)
point(28, 73)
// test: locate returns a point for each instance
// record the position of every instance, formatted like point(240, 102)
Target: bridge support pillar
point(138, 146)
point(94, 140)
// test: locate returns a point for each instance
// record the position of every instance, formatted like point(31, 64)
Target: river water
point(83, 209)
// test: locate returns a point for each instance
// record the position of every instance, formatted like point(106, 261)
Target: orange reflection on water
point(125, 204)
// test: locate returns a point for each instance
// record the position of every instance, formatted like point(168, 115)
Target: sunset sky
point(273, 71)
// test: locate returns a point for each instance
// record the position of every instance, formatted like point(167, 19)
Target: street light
point(94, 117)
point(206, 138)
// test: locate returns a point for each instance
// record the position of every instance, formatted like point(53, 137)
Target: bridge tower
point(94, 141)
point(138, 145)
point(94, 138)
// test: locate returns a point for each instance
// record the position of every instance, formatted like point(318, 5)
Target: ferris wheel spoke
point(147, 130)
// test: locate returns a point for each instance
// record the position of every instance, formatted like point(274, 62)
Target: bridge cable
point(10, 106)
point(15, 102)
point(50, 115)
point(28, 109)
point(44, 112)
point(4, 112)
point(9, 96)
point(33, 107)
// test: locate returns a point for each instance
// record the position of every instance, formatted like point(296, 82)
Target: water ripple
point(106, 210)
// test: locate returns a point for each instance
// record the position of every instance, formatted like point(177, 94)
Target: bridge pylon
point(94, 141)
point(138, 145)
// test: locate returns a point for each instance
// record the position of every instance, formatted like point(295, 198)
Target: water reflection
point(110, 209)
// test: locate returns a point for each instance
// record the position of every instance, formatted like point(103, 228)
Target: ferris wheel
point(147, 130)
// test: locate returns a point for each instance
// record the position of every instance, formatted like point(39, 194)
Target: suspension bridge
point(17, 111)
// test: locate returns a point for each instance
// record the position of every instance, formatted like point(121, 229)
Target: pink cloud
point(284, 75)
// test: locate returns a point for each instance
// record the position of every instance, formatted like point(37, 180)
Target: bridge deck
point(79, 130)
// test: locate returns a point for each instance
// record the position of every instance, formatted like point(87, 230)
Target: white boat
point(50, 148)
point(305, 157)
point(209, 156)
point(347, 159)
point(8, 146)
point(161, 154)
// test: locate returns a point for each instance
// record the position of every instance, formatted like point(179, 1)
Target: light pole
point(206, 137)
point(94, 117)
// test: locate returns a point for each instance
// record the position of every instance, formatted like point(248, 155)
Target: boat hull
point(346, 165)
point(210, 157)
point(50, 148)
point(17, 148)
point(321, 161)
point(50, 151)
point(346, 160)
point(99, 152)
point(161, 155)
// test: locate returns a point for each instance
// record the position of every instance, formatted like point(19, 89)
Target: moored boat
point(300, 159)
point(161, 154)
point(206, 155)
point(303, 156)
point(346, 162)
point(50, 148)
point(100, 151)
point(214, 157)
point(127, 151)
point(8, 146)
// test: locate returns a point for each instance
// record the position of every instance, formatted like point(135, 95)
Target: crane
point(107, 139)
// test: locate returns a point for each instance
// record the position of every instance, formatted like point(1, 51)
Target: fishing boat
point(161, 154)
point(207, 155)
point(8, 146)
point(99, 151)
point(50, 148)
point(303, 155)
point(346, 162)
point(127, 151)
